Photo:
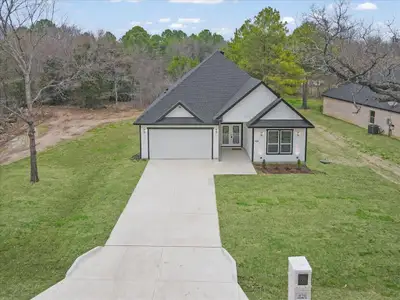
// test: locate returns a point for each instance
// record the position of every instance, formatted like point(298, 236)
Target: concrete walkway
point(166, 244)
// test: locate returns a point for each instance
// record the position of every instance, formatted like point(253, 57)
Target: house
point(361, 106)
point(218, 106)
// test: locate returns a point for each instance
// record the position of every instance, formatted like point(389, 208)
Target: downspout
point(219, 141)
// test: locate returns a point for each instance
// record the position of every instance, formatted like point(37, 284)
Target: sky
point(192, 16)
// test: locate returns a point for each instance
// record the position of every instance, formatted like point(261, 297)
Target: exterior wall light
point(262, 133)
point(144, 130)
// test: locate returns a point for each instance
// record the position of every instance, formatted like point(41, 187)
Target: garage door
point(180, 143)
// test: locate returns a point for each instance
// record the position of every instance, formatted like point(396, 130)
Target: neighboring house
point(217, 105)
point(361, 106)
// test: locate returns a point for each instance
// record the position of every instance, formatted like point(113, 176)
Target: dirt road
point(62, 124)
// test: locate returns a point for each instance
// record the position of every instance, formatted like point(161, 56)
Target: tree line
point(44, 63)
point(98, 69)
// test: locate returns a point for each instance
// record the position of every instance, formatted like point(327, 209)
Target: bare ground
point(338, 150)
point(60, 124)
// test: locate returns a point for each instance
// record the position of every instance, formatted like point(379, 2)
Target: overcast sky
point(221, 16)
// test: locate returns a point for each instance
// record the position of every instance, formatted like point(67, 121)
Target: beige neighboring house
point(360, 106)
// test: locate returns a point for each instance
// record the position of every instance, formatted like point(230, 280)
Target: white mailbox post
point(299, 276)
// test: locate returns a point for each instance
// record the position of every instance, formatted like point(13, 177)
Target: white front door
point(232, 135)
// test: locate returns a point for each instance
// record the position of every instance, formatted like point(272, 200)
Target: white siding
point(281, 112)
point(144, 141)
point(249, 145)
point(247, 139)
point(250, 106)
point(179, 112)
point(260, 147)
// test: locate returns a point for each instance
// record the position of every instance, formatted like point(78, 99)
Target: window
point(372, 117)
point(273, 142)
point(286, 142)
point(279, 141)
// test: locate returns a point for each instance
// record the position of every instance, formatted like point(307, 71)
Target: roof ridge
point(177, 83)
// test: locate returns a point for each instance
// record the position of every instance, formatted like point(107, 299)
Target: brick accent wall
point(346, 111)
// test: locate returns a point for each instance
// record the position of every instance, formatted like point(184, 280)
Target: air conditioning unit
point(373, 129)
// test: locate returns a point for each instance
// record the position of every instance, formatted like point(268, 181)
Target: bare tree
point(26, 36)
point(113, 65)
point(355, 52)
point(148, 77)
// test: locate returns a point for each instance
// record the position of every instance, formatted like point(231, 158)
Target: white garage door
point(183, 143)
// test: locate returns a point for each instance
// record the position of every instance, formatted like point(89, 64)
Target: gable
point(250, 105)
point(281, 112)
point(179, 112)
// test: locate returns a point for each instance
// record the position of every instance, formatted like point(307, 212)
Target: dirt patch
point(337, 149)
point(385, 168)
point(282, 169)
point(60, 123)
point(334, 147)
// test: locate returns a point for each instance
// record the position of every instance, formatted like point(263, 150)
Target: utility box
point(299, 279)
point(373, 129)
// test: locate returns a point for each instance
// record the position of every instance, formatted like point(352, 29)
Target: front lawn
point(345, 219)
point(84, 187)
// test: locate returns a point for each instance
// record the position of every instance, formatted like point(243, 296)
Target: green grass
point(348, 232)
point(313, 104)
point(379, 145)
point(84, 187)
point(345, 219)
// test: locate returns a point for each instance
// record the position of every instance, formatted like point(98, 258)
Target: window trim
point(370, 116)
point(279, 142)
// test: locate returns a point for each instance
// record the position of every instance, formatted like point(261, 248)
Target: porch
point(234, 161)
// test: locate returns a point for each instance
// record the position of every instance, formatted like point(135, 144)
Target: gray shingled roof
point(204, 91)
point(282, 124)
point(362, 95)
point(179, 121)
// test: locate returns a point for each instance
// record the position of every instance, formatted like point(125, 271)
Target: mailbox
point(299, 276)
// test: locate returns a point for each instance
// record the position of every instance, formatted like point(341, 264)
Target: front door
point(232, 135)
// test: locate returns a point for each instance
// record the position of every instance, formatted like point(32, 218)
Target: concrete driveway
point(166, 244)
point(172, 205)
